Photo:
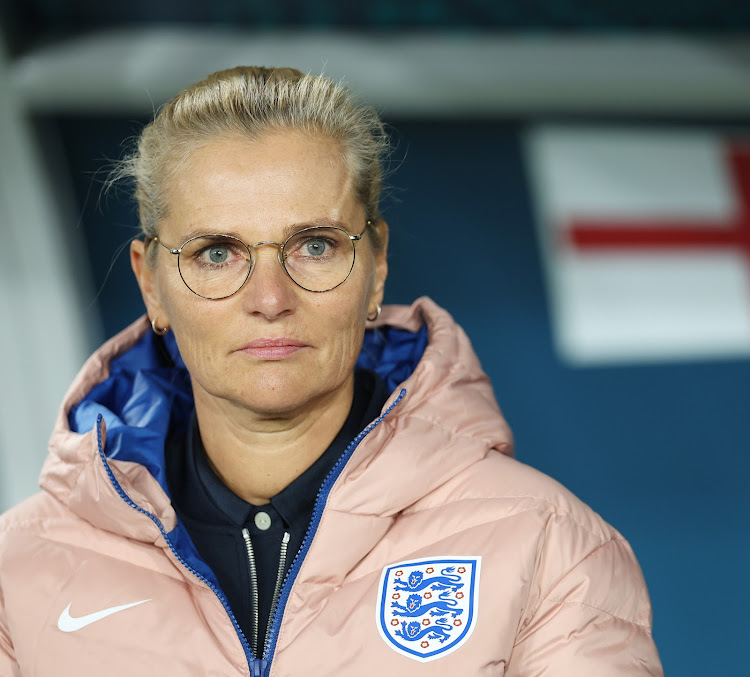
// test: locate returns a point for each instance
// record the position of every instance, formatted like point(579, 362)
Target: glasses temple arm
point(156, 239)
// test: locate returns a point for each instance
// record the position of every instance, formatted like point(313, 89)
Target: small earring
point(371, 317)
point(160, 331)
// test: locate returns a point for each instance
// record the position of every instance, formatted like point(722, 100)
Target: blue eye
point(316, 247)
point(218, 254)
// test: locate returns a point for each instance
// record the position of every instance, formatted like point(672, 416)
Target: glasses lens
point(214, 266)
point(319, 259)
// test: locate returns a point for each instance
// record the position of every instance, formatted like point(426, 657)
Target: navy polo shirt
point(215, 517)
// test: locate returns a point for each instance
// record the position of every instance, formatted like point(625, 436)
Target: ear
point(381, 263)
point(146, 278)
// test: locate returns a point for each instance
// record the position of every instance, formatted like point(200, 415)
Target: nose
point(268, 291)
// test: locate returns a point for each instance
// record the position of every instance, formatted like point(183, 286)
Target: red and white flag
point(645, 238)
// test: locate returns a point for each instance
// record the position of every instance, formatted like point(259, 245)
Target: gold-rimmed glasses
point(216, 266)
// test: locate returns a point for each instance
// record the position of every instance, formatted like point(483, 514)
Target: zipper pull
point(259, 667)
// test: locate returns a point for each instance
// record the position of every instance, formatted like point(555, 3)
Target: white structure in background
point(44, 334)
point(425, 75)
point(646, 242)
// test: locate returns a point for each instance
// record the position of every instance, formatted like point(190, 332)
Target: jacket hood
point(135, 390)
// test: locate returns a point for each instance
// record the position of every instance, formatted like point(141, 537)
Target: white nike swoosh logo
point(67, 623)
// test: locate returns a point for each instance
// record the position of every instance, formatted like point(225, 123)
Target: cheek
point(338, 363)
point(193, 323)
point(197, 347)
point(347, 318)
point(170, 291)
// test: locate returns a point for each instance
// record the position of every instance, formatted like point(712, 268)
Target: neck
point(258, 455)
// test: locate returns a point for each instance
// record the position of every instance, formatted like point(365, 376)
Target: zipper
point(277, 587)
point(254, 584)
point(253, 588)
point(258, 668)
point(277, 613)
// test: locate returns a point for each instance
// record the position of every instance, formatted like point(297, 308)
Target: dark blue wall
point(659, 451)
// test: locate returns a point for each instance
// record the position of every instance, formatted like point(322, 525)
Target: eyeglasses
point(216, 266)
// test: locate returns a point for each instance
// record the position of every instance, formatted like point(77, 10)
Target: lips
point(273, 348)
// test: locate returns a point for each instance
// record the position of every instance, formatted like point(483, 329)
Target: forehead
point(259, 187)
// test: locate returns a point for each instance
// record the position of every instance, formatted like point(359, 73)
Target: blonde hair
point(251, 101)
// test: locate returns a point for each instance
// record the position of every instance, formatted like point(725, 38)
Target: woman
point(269, 476)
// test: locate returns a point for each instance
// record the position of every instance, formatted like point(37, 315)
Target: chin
point(279, 396)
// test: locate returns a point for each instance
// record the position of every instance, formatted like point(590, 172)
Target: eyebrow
point(290, 229)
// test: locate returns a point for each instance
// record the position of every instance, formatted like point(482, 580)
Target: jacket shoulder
point(503, 487)
point(35, 511)
point(37, 519)
point(573, 556)
point(537, 491)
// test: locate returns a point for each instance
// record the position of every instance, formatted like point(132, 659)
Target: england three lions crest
point(428, 607)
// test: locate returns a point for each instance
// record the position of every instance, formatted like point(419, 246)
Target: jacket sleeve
point(594, 621)
point(8, 665)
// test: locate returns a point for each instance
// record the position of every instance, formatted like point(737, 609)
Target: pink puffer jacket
point(431, 551)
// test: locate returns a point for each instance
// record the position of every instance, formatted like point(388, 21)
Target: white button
point(262, 520)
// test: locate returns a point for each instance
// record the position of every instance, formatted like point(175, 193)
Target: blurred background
point(571, 180)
